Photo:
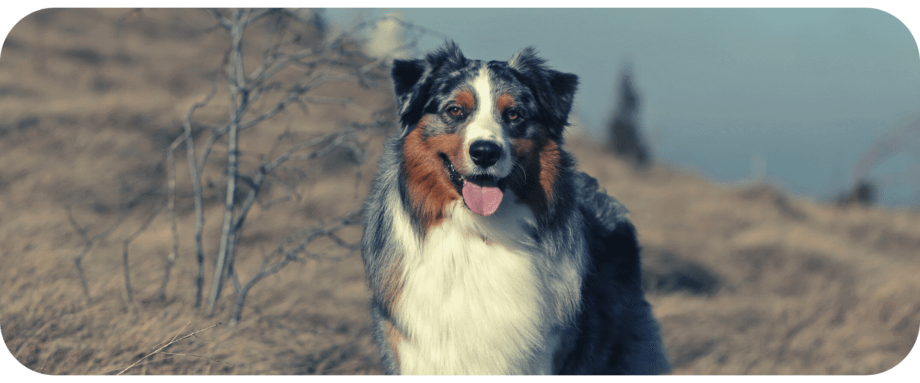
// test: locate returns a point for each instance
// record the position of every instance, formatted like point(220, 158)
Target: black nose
point(485, 153)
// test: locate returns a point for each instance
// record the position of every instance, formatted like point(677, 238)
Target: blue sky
point(807, 90)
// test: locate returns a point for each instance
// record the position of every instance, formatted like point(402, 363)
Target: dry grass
point(89, 99)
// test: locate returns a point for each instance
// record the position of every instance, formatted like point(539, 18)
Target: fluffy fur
point(548, 283)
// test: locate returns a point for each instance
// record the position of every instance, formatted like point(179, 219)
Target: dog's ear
point(563, 87)
point(406, 75)
point(409, 78)
point(411, 82)
point(553, 90)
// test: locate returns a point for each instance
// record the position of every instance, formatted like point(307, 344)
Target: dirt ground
point(744, 278)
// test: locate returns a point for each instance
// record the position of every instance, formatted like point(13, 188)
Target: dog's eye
point(514, 115)
point(455, 111)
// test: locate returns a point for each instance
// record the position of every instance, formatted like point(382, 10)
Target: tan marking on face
point(466, 99)
point(504, 102)
point(429, 186)
point(540, 159)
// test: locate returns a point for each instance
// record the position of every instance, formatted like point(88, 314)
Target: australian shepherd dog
point(485, 250)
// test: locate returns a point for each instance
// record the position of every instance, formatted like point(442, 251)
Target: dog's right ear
point(411, 82)
point(405, 74)
point(407, 78)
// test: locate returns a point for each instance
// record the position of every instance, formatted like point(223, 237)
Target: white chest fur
point(474, 300)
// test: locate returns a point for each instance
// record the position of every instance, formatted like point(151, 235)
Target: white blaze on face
point(483, 195)
point(485, 125)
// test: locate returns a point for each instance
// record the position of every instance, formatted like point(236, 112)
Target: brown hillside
point(745, 279)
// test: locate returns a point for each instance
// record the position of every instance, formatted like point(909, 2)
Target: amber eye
point(455, 111)
point(513, 115)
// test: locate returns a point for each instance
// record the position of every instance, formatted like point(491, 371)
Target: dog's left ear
point(554, 90)
point(563, 87)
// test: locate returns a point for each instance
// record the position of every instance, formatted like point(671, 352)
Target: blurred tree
point(863, 193)
point(889, 144)
point(625, 139)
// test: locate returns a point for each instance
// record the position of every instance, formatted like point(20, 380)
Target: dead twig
point(195, 174)
point(269, 266)
point(170, 343)
point(124, 258)
point(88, 243)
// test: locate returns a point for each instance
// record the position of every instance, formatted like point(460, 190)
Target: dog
point(486, 252)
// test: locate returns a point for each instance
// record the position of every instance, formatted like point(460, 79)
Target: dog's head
point(471, 128)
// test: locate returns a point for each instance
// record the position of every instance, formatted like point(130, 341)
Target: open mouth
point(481, 194)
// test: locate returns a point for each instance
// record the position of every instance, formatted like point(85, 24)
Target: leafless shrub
point(292, 65)
point(245, 92)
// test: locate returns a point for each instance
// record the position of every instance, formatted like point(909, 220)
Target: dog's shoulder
point(602, 212)
point(612, 241)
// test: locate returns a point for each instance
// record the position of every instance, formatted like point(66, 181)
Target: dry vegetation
point(745, 279)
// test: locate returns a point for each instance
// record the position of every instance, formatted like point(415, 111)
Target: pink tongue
point(482, 199)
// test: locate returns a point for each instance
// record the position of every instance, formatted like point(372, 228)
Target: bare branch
point(124, 258)
point(239, 102)
point(171, 208)
point(269, 268)
point(161, 348)
point(88, 243)
point(195, 174)
point(221, 19)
